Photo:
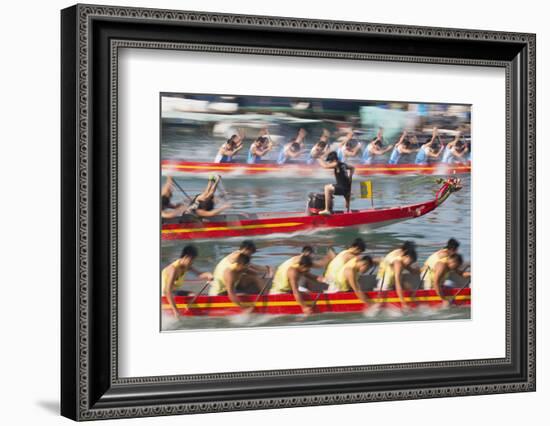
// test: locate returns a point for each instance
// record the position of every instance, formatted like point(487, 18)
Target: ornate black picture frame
point(91, 37)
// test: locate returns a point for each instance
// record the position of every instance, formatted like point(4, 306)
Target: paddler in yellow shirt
point(430, 263)
point(357, 247)
point(347, 278)
point(173, 275)
point(288, 275)
point(254, 274)
point(393, 265)
point(227, 277)
point(439, 271)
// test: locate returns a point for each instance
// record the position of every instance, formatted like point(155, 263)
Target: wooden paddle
point(177, 185)
point(315, 300)
point(420, 283)
point(264, 288)
point(196, 296)
point(459, 291)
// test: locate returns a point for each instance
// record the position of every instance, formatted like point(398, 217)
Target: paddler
point(167, 208)
point(403, 146)
point(348, 147)
point(228, 276)
point(440, 271)
point(203, 205)
point(433, 263)
point(288, 276)
point(374, 149)
point(344, 175)
point(392, 267)
point(293, 149)
point(173, 275)
point(455, 151)
point(259, 148)
point(347, 278)
point(229, 149)
point(255, 274)
point(357, 247)
point(309, 251)
point(320, 149)
point(429, 150)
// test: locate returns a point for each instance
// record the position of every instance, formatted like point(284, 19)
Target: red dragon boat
point(190, 227)
point(285, 304)
point(299, 170)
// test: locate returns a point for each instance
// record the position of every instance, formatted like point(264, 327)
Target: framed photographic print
point(264, 212)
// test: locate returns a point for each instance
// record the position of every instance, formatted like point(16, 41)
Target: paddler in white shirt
point(347, 278)
point(255, 274)
point(288, 275)
point(173, 275)
point(392, 267)
point(357, 247)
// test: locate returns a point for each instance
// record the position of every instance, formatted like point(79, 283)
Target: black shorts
point(345, 191)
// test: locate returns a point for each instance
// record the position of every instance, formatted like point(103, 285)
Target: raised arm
point(326, 165)
point(435, 133)
point(166, 190)
point(301, 136)
point(437, 154)
point(346, 138)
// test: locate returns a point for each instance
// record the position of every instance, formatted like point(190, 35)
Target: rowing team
point(341, 272)
point(348, 147)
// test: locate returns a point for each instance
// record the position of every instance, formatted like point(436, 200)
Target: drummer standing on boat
point(173, 275)
point(344, 175)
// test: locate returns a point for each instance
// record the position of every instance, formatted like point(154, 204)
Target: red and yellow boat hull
point(290, 223)
point(299, 170)
point(285, 304)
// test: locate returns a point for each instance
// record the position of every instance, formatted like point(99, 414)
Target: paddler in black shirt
point(343, 174)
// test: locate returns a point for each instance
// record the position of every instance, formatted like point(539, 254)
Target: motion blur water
point(289, 194)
